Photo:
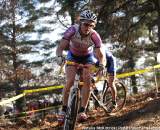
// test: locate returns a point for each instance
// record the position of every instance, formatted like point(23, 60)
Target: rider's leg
point(111, 84)
point(111, 69)
point(85, 92)
point(70, 76)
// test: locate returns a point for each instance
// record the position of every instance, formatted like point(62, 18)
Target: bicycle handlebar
point(79, 65)
point(94, 69)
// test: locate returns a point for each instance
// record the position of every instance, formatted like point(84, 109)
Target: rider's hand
point(60, 60)
point(101, 68)
point(99, 65)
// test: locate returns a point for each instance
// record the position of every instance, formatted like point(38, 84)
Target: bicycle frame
point(100, 103)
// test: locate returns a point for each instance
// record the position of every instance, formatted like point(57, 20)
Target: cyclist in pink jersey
point(80, 39)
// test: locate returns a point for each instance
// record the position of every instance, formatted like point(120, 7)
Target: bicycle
point(105, 96)
point(74, 98)
point(120, 98)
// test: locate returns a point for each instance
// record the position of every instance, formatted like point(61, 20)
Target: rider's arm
point(64, 43)
point(99, 53)
point(100, 56)
point(62, 46)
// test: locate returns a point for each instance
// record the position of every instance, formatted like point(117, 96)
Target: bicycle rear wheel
point(121, 96)
point(72, 111)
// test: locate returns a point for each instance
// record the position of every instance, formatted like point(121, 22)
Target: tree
point(73, 8)
point(127, 21)
point(123, 22)
point(19, 21)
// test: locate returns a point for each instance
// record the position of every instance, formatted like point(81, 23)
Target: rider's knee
point(111, 77)
point(86, 77)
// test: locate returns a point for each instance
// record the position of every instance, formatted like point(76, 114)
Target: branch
point(120, 7)
point(85, 5)
point(61, 21)
point(139, 22)
point(4, 39)
point(132, 26)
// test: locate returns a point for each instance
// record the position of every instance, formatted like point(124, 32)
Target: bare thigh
point(70, 74)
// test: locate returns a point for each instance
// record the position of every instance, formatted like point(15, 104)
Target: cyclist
point(80, 39)
point(111, 69)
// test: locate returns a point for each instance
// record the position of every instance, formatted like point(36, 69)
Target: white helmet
point(88, 15)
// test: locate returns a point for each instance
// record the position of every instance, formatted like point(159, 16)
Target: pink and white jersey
point(82, 46)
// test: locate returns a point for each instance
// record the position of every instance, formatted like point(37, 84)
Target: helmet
point(88, 15)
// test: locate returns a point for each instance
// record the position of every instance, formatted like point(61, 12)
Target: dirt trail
point(140, 111)
point(139, 114)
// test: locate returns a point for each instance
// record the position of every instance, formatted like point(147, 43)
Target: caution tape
point(138, 71)
point(60, 87)
point(11, 99)
point(156, 66)
point(31, 111)
point(118, 76)
point(42, 89)
point(43, 109)
point(27, 92)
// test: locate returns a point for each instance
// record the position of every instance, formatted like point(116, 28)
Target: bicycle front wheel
point(72, 111)
point(120, 99)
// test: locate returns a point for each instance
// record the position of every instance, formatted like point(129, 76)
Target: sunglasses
point(88, 25)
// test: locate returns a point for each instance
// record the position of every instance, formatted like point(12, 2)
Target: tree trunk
point(134, 84)
point(19, 102)
point(133, 78)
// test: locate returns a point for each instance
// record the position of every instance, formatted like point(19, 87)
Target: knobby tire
point(121, 96)
point(72, 112)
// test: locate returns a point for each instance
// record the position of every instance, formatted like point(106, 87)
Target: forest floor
point(141, 112)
